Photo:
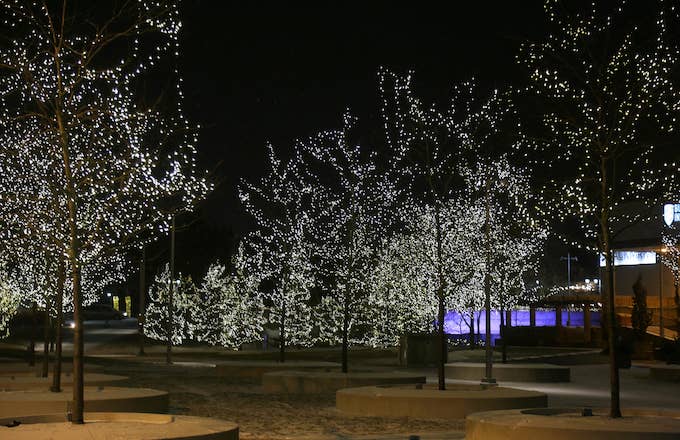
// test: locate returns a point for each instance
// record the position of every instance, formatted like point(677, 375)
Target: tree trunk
point(78, 407)
point(504, 346)
point(615, 404)
point(59, 299)
point(345, 338)
point(53, 331)
point(34, 326)
point(78, 404)
point(472, 330)
point(73, 251)
point(282, 337)
point(677, 302)
point(46, 337)
point(443, 353)
point(443, 348)
point(488, 351)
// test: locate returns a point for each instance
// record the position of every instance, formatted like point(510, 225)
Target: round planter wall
point(19, 368)
point(570, 424)
point(309, 382)
point(131, 426)
point(21, 382)
point(430, 403)
point(97, 399)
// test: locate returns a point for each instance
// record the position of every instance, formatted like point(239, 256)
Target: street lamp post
point(569, 259)
point(660, 263)
point(169, 329)
point(488, 377)
point(142, 300)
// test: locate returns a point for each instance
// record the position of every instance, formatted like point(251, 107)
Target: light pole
point(169, 329)
point(569, 259)
point(660, 263)
point(488, 377)
point(142, 300)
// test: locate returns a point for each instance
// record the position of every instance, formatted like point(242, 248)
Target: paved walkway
point(589, 387)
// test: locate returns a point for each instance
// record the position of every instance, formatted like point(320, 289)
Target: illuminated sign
point(630, 258)
point(671, 213)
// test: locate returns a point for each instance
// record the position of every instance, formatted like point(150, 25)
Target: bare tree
point(71, 102)
point(602, 79)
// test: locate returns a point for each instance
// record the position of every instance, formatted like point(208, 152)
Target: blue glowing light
point(455, 324)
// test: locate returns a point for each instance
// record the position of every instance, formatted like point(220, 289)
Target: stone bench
point(509, 372)
point(570, 424)
point(255, 369)
point(119, 425)
point(16, 403)
point(301, 382)
point(456, 402)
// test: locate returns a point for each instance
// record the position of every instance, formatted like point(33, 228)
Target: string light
point(281, 248)
point(88, 172)
point(354, 201)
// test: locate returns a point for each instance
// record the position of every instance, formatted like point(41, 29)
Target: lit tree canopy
point(431, 146)
point(604, 81)
point(72, 123)
point(71, 101)
point(184, 298)
point(671, 257)
point(516, 233)
point(282, 248)
point(228, 310)
point(354, 212)
point(603, 77)
point(9, 301)
point(407, 275)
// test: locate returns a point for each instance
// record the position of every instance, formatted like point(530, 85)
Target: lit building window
point(630, 258)
point(671, 213)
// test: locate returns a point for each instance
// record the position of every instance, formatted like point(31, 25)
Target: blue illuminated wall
point(455, 325)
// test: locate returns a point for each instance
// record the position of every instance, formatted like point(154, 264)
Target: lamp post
point(569, 259)
point(142, 300)
point(488, 376)
point(169, 329)
point(662, 251)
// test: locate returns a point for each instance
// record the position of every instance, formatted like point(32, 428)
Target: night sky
point(258, 72)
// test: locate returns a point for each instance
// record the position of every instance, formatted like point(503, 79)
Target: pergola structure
point(586, 300)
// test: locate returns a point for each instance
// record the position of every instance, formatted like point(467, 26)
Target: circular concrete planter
point(97, 399)
point(430, 403)
point(569, 424)
point(309, 382)
point(17, 368)
point(669, 373)
point(255, 369)
point(133, 426)
point(509, 372)
point(23, 382)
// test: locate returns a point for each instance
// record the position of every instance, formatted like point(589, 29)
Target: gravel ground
point(196, 391)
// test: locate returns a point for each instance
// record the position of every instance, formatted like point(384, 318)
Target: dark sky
point(276, 71)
